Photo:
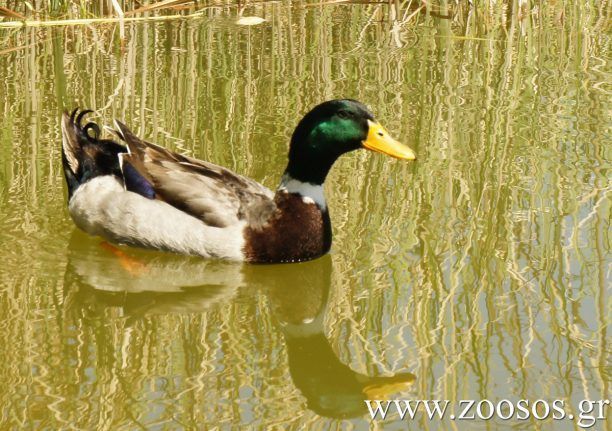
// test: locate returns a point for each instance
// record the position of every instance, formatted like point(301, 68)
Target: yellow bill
point(382, 388)
point(379, 140)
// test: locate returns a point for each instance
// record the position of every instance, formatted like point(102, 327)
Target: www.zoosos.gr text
point(587, 412)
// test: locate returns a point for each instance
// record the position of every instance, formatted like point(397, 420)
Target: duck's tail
point(84, 154)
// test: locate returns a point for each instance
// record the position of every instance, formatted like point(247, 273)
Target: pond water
point(480, 271)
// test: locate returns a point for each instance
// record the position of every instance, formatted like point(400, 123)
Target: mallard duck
point(143, 195)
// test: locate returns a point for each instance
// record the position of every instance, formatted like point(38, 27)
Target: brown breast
point(295, 232)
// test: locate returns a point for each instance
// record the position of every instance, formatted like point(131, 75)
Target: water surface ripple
point(480, 271)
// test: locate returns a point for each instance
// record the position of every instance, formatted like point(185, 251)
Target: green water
point(481, 271)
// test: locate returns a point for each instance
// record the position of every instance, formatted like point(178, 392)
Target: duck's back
point(147, 196)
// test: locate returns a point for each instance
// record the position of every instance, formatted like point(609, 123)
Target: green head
point(331, 129)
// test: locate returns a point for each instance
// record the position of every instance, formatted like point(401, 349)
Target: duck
point(136, 193)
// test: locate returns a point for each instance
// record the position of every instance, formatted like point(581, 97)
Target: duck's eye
point(343, 114)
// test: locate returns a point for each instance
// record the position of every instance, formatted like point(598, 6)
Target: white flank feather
point(103, 207)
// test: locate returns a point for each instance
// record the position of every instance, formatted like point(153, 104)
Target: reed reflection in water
point(482, 269)
point(297, 301)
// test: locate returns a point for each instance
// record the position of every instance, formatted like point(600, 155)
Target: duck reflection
point(143, 283)
point(299, 302)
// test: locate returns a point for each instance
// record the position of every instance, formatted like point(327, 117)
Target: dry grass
point(482, 13)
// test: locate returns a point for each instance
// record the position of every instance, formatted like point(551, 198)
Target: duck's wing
point(211, 193)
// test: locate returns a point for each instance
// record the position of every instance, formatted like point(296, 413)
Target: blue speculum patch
point(136, 183)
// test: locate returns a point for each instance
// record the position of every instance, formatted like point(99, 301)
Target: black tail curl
point(84, 154)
